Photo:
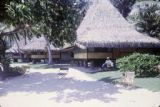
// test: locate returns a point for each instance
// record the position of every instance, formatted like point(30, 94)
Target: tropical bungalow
point(33, 50)
point(105, 33)
point(36, 50)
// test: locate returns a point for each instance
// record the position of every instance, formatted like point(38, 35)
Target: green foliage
point(17, 21)
point(19, 13)
point(142, 64)
point(146, 18)
point(5, 65)
point(5, 62)
point(56, 19)
point(124, 6)
point(10, 71)
point(3, 13)
point(16, 71)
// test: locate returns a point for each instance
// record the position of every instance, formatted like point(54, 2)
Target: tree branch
point(13, 31)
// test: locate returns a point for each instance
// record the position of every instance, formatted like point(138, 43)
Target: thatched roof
point(104, 26)
point(35, 44)
point(14, 48)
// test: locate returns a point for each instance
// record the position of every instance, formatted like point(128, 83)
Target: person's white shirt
point(109, 63)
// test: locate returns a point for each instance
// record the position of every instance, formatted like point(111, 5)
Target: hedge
point(144, 65)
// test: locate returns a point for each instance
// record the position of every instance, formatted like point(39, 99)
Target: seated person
point(107, 64)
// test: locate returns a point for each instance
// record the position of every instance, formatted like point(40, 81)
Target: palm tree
point(146, 18)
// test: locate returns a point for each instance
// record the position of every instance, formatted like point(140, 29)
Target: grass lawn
point(152, 84)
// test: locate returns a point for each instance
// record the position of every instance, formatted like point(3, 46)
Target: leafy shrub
point(10, 71)
point(16, 71)
point(142, 64)
point(5, 62)
point(5, 65)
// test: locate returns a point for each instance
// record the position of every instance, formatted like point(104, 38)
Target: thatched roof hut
point(103, 26)
point(38, 44)
point(35, 44)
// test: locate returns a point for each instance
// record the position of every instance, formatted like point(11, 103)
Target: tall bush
point(142, 64)
point(5, 62)
point(10, 71)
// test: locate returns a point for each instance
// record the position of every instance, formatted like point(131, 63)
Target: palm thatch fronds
point(35, 44)
point(17, 46)
point(104, 26)
point(38, 44)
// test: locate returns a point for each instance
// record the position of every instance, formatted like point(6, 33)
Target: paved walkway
point(43, 88)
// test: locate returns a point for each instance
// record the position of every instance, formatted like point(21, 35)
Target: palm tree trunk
point(50, 61)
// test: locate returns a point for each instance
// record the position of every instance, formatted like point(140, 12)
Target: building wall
point(66, 56)
point(44, 55)
point(98, 55)
point(80, 55)
point(92, 54)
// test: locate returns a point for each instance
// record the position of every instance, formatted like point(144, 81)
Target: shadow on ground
point(40, 83)
point(110, 80)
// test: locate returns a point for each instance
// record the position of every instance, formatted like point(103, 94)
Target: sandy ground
point(44, 88)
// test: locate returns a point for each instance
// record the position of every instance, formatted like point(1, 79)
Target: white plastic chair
point(128, 78)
